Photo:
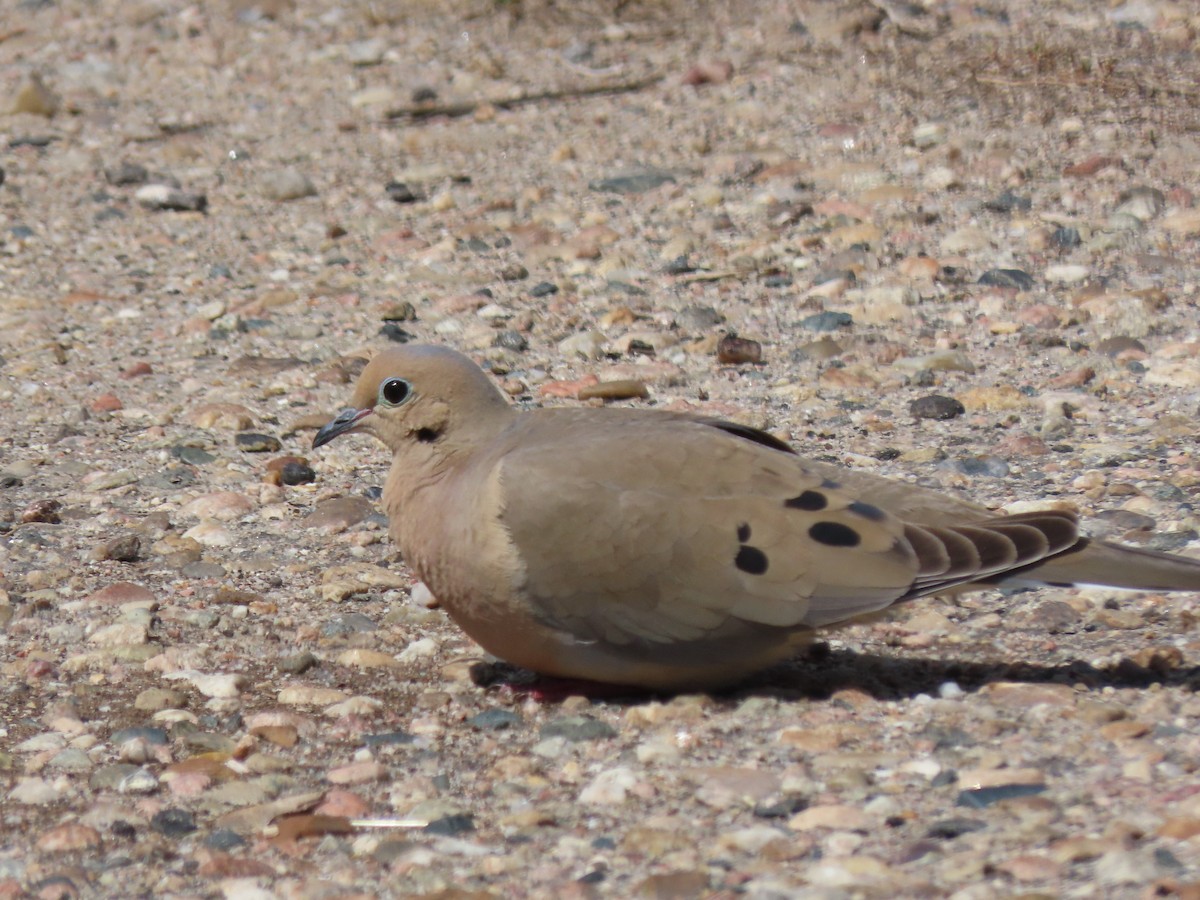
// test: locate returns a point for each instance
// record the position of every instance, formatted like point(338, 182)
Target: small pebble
point(633, 182)
point(173, 822)
point(935, 406)
point(286, 184)
point(614, 390)
point(253, 442)
point(401, 192)
point(166, 197)
point(735, 351)
point(827, 321)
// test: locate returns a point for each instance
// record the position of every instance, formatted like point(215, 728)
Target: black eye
point(395, 391)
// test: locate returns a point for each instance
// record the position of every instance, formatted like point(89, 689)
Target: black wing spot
point(867, 511)
point(834, 534)
point(811, 501)
point(743, 533)
point(751, 560)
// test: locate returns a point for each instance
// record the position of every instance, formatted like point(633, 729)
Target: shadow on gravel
point(823, 671)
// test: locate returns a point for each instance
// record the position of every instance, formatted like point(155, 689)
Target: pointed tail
point(1113, 565)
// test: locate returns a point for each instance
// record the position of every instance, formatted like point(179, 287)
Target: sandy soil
point(215, 680)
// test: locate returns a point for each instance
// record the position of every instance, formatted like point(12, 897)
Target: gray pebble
point(173, 822)
point(632, 182)
point(577, 728)
point(286, 184)
point(511, 340)
point(126, 173)
point(827, 321)
point(296, 663)
point(494, 720)
point(139, 732)
point(349, 623)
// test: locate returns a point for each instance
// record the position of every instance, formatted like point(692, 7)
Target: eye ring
point(395, 391)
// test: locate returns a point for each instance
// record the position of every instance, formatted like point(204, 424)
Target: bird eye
point(395, 391)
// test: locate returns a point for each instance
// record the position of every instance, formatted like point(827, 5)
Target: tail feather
point(1112, 565)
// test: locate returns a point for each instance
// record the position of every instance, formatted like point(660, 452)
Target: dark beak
point(345, 421)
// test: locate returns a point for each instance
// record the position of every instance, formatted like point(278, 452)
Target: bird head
point(417, 393)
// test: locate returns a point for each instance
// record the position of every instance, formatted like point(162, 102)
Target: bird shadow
point(822, 672)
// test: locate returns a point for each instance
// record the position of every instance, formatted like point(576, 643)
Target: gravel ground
point(958, 243)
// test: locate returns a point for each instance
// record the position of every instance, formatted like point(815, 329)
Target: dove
point(668, 550)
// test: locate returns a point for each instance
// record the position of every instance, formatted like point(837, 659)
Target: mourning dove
point(670, 550)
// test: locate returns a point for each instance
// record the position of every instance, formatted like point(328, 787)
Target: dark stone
point(778, 281)
point(1007, 278)
point(935, 406)
point(948, 829)
point(401, 192)
point(40, 141)
point(1167, 859)
point(224, 839)
point(494, 720)
point(1007, 202)
point(680, 265)
point(388, 739)
point(543, 289)
point(253, 442)
point(424, 94)
point(827, 321)
point(514, 272)
point(985, 797)
point(779, 807)
point(297, 473)
point(511, 340)
point(173, 822)
point(126, 173)
point(448, 826)
point(632, 182)
point(577, 729)
point(122, 829)
point(1066, 237)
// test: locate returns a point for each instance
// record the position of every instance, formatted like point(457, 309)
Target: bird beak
point(346, 420)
